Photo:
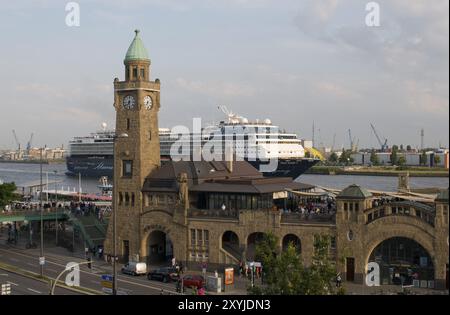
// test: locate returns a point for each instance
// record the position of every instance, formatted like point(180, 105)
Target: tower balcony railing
point(419, 211)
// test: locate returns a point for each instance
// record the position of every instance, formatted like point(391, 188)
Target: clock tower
point(136, 149)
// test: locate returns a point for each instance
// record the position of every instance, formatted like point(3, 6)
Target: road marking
point(12, 283)
point(31, 264)
point(35, 291)
point(90, 273)
point(4, 274)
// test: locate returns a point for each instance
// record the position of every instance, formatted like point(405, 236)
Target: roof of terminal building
point(216, 176)
point(137, 50)
point(354, 192)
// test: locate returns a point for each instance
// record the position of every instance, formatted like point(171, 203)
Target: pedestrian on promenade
point(338, 280)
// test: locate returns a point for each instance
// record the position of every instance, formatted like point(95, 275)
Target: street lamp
point(120, 136)
point(56, 207)
point(42, 220)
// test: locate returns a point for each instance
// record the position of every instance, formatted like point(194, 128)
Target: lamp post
point(42, 220)
point(114, 212)
point(56, 207)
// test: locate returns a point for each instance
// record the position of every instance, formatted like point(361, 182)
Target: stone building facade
point(215, 212)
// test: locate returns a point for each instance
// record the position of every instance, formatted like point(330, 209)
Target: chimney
point(229, 159)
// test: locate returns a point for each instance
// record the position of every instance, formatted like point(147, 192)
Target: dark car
point(165, 274)
point(191, 281)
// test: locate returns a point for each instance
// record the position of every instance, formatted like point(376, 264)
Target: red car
point(191, 281)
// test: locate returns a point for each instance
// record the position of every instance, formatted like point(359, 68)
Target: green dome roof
point(442, 196)
point(136, 51)
point(354, 192)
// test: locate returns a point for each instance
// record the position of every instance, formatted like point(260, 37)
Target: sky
point(295, 62)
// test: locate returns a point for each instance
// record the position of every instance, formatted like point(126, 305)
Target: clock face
point(148, 102)
point(128, 102)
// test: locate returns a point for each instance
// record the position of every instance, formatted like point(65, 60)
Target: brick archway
point(413, 232)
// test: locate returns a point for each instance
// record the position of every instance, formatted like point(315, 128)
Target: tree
point(401, 161)
point(374, 158)
point(401, 148)
point(408, 148)
point(320, 274)
point(423, 158)
point(437, 159)
point(266, 253)
point(285, 273)
point(333, 158)
point(7, 193)
point(346, 157)
point(394, 155)
point(307, 154)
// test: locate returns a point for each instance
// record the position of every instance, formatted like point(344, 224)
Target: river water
point(25, 174)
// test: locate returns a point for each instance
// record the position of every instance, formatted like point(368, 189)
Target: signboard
point(107, 278)
point(6, 289)
point(41, 261)
point(107, 284)
point(280, 195)
point(229, 276)
point(107, 290)
point(255, 264)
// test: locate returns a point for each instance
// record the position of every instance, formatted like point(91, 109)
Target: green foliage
point(394, 155)
point(437, 159)
point(346, 158)
point(401, 161)
point(374, 158)
point(7, 193)
point(423, 158)
point(333, 158)
point(284, 274)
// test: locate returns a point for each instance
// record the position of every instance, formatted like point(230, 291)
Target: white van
point(135, 268)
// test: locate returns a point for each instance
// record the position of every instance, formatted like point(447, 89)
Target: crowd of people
point(313, 207)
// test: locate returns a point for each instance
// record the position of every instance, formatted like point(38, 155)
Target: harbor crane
point(16, 139)
point(383, 144)
point(29, 143)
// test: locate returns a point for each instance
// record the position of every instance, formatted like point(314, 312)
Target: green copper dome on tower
point(136, 51)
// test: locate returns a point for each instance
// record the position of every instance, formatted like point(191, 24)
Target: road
point(21, 285)
point(28, 260)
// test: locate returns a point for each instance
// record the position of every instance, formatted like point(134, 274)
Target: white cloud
point(216, 88)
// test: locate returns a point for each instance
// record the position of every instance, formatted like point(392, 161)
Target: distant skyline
point(294, 62)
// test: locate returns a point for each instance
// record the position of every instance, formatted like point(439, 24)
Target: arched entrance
point(230, 243)
point(252, 240)
point(294, 240)
point(160, 248)
point(402, 260)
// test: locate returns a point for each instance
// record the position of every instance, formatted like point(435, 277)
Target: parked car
point(165, 274)
point(135, 268)
point(190, 281)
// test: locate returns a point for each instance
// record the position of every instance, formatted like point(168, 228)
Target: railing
point(31, 215)
point(400, 209)
point(214, 213)
point(228, 258)
point(307, 218)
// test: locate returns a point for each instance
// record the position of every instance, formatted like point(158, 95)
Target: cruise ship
point(258, 142)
